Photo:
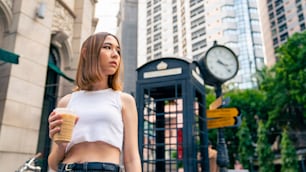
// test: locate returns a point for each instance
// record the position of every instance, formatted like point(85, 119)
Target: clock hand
point(220, 62)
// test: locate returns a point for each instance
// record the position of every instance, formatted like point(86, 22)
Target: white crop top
point(100, 117)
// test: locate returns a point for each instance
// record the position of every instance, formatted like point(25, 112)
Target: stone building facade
point(47, 36)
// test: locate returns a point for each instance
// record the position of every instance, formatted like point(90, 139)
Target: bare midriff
point(92, 152)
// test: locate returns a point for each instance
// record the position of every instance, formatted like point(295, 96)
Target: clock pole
point(219, 65)
point(222, 156)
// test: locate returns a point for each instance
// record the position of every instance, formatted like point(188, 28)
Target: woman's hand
point(55, 121)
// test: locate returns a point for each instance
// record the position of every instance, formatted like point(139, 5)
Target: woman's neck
point(99, 86)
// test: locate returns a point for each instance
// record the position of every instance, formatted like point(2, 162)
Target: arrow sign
point(219, 102)
point(221, 122)
point(223, 112)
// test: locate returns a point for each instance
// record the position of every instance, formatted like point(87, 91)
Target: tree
point(285, 87)
point(264, 152)
point(252, 107)
point(288, 154)
point(245, 144)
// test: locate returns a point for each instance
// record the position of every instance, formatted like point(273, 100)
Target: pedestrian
point(212, 155)
point(238, 165)
point(107, 122)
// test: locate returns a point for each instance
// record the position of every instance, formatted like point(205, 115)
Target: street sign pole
point(222, 155)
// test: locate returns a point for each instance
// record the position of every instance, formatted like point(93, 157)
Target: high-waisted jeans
point(89, 167)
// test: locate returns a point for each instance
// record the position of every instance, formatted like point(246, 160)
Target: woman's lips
point(113, 64)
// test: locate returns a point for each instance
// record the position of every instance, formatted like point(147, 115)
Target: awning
point(8, 56)
point(58, 71)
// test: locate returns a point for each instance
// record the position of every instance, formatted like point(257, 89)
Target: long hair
point(89, 69)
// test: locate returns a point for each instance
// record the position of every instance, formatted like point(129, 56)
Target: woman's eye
point(107, 47)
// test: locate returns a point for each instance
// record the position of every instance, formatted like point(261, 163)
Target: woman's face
point(110, 56)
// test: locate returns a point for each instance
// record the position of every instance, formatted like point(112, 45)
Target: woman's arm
point(57, 153)
point(130, 147)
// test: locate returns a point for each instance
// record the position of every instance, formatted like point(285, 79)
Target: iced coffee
point(67, 126)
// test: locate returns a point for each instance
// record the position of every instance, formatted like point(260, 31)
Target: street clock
point(219, 65)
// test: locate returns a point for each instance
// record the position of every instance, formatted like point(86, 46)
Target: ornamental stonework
point(9, 3)
point(62, 20)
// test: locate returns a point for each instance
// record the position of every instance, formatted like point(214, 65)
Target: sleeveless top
point(100, 117)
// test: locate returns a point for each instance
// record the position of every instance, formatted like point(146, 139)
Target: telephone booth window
point(172, 119)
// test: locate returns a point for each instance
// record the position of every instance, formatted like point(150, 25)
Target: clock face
point(221, 63)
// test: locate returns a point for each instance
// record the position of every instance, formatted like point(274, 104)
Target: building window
point(157, 8)
point(157, 18)
point(148, 21)
point(149, 50)
point(200, 32)
point(197, 11)
point(301, 17)
point(278, 2)
point(157, 55)
point(174, 9)
point(175, 29)
point(174, 18)
point(228, 19)
point(302, 26)
point(275, 41)
point(157, 46)
point(198, 45)
point(175, 49)
point(194, 2)
point(270, 7)
point(149, 4)
point(272, 23)
point(284, 37)
point(156, 1)
point(175, 39)
point(283, 27)
point(149, 30)
point(149, 40)
point(271, 15)
point(227, 7)
point(197, 22)
point(299, 8)
point(149, 13)
point(280, 10)
point(157, 37)
point(281, 19)
point(274, 32)
point(230, 32)
point(156, 28)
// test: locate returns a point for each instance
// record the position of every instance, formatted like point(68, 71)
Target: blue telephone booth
point(170, 100)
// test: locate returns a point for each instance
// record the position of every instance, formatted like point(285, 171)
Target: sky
point(106, 11)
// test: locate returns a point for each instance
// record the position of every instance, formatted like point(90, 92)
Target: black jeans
point(89, 167)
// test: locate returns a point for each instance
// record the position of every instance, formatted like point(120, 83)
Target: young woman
point(107, 117)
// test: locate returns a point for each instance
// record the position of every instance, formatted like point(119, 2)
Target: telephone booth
point(172, 121)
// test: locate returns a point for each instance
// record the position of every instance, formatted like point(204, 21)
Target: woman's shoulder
point(63, 102)
point(127, 98)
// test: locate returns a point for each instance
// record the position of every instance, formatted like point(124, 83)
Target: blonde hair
point(89, 70)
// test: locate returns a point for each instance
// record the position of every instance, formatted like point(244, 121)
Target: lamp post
point(222, 156)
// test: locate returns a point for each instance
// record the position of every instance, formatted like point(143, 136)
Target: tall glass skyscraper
point(187, 28)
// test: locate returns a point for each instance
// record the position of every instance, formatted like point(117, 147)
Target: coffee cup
point(68, 117)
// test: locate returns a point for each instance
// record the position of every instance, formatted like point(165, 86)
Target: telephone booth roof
point(169, 68)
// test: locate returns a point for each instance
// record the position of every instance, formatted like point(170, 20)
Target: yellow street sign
point(223, 112)
point(217, 103)
point(221, 122)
